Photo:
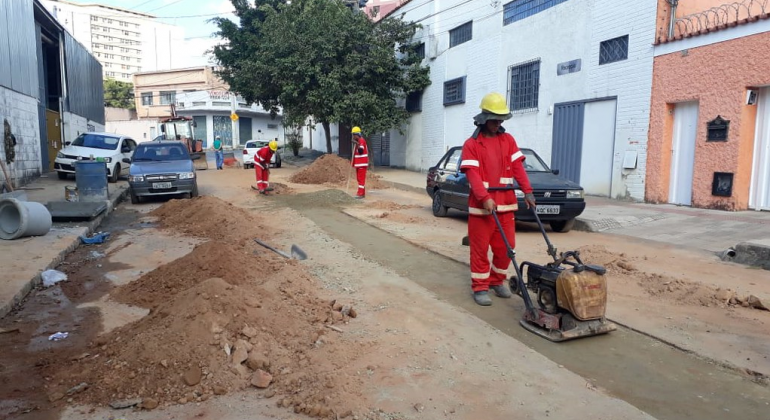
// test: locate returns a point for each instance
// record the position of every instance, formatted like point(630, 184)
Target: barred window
point(525, 86)
point(461, 34)
point(146, 98)
point(454, 91)
point(522, 9)
point(414, 102)
point(613, 50)
point(167, 97)
point(419, 49)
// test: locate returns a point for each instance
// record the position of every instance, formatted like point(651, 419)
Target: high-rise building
point(125, 42)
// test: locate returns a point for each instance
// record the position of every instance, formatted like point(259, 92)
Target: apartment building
point(124, 41)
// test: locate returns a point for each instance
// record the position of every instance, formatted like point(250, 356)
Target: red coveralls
point(261, 165)
point(492, 162)
point(361, 162)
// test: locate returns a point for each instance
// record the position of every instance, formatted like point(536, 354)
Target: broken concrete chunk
point(193, 376)
point(261, 379)
point(755, 303)
point(121, 404)
point(241, 352)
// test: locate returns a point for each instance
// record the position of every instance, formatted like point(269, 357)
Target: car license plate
point(548, 209)
point(161, 185)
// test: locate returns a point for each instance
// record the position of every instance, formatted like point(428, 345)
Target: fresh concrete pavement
point(748, 232)
point(24, 259)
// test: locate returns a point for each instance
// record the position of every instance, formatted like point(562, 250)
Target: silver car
point(161, 168)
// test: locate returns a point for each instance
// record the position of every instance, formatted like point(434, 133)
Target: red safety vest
point(475, 155)
point(361, 154)
point(263, 156)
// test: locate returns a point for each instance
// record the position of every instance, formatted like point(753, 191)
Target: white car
point(250, 149)
point(113, 148)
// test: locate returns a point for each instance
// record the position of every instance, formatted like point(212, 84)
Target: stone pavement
point(22, 260)
point(710, 230)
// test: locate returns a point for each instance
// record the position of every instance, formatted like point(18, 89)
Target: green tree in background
point(318, 58)
point(119, 94)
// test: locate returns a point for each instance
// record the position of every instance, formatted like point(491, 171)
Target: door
point(455, 183)
point(200, 130)
point(52, 122)
point(128, 152)
point(759, 198)
point(683, 153)
point(598, 147)
point(567, 144)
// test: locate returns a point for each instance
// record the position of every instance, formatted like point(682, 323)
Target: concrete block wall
point(22, 114)
point(75, 125)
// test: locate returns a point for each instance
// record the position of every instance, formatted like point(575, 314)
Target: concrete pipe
point(23, 218)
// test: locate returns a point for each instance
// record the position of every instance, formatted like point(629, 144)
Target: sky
point(186, 14)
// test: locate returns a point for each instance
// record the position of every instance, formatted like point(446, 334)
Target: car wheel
point(278, 162)
point(115, 174)
point(563, 225)
point(62, 175)
point(134, 198)
point(194, 192)
point(439, 209)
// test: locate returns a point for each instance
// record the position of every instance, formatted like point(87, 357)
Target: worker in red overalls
point(491, 158)
point(360, 160)
point(262, 166)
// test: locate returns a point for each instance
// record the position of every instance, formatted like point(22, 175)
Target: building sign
point(217, 95)
point(717, 129)
point(568, 67)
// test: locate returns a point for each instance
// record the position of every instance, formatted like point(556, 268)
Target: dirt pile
point(390, 206)
point(621, 268)
point(212, 218)
point(333, 170)
point(222, 319)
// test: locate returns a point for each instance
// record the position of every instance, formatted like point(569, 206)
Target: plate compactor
point(571, 295)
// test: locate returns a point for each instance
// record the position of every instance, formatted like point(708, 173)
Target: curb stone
point(7, 307)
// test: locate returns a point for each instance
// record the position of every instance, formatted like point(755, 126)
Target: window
point(522, 9)
point(454, 91)
point(613, 50)
point(97, 45)
point(525, 86)
point(414, 102)
point(105, 29)
point(419, 49)
point(452, 162)
point(461, 34)
point(167, 97)
point(94, 19)
point(272, 126)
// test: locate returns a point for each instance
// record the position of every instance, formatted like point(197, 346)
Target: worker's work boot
point(501, 291)
point(360, 197)
point(482, 298)
point(269, 189)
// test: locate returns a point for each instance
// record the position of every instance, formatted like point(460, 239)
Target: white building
point(577, 75)
point(124, 41)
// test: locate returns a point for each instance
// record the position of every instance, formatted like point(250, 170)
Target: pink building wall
point(718, 77)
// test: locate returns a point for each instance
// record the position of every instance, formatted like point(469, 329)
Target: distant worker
point(360, 160)
point(492, 159)
point(262, 166)
point(219, 153)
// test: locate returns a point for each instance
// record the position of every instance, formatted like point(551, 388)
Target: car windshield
point(533, 163)
point(160, 152)
point(96, 141)
point(251, 145)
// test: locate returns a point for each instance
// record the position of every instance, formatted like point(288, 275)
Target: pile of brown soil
point(398, 217)
point(212, 218)
point(390, 206)
point(222, 319)
point(334, 170)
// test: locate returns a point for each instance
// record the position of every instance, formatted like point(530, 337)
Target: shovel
point(296, 252)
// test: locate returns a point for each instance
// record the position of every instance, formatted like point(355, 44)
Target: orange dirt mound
point(332, 169)
point(213, 218)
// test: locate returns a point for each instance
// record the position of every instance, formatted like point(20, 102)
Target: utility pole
point(234, 119)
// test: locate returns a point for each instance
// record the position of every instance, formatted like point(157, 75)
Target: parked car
point(250, 149)
point(161, 168)
point(113, 148)
point(559, 201)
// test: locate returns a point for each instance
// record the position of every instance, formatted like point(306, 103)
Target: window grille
point(167, 97)
point(613, 50)
point(522, 9)
point(525, 86)
point(147, 98)
point(461, 34)
point(454, 91)
point(414, 102)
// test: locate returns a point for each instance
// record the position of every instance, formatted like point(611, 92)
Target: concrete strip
point(754, 253)
point(7, 307)
point(403, 187)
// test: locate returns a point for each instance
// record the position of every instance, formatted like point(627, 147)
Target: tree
point(317, 58)
point(119, 94)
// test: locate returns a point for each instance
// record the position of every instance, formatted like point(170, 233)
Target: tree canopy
point(119, 94)
point(319, 58)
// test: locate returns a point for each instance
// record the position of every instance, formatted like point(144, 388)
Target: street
point(157, 315)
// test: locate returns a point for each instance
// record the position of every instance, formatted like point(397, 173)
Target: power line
point(165, 5)
point(140, 5)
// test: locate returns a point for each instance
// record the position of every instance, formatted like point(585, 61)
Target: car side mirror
point(67, 143)
point(126, 160)
point(555, 171)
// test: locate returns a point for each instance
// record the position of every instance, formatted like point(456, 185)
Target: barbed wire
point(720, 17)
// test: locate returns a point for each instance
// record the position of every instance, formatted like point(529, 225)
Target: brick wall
point(21, 112)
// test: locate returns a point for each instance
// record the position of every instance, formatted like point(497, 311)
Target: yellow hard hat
point(273, 145)
point(356, 130)
point(494, 103)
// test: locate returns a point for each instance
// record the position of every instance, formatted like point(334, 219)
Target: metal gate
point(567, 146)
point(379, 149)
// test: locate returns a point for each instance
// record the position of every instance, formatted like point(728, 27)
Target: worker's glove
point(490, 205)
point(529, 199)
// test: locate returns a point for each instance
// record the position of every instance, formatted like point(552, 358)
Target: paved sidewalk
point(22, 260)
point(710, 230)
